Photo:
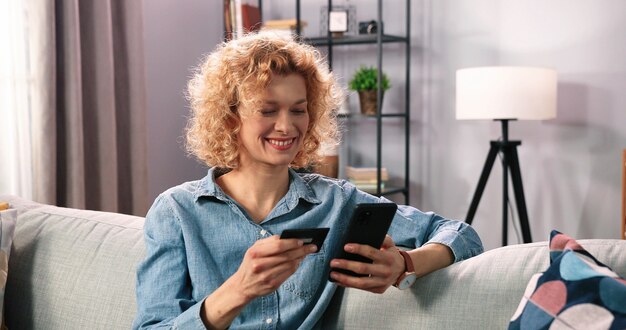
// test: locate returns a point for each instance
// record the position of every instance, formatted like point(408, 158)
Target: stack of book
point(365, 178)
point(240, 17)
point(283, 25)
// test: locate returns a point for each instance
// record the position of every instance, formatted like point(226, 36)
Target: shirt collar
point(298, 188)
point(207, 186)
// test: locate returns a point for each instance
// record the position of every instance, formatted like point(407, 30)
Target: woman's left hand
point(387, 266)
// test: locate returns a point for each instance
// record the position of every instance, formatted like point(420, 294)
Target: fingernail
point(334, 263)
point(313, 248)
point(349, 248)
point(300, 242)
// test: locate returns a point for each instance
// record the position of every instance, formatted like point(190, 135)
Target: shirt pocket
point(305, 282)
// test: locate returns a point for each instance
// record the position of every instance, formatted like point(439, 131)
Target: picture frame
point(338, 21)
point(352, 24)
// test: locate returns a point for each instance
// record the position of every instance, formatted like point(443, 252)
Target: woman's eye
point(299, 111)
point(267, 112)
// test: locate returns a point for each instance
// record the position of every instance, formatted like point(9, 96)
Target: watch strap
point(409, 269)
point(408, 262)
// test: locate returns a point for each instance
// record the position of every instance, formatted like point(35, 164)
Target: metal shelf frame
point(379, 39)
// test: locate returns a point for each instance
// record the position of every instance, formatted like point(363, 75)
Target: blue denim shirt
point(196, 237)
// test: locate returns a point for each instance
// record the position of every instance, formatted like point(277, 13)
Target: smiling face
point(273, 135)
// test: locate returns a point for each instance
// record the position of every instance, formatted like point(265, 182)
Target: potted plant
point(365, 82)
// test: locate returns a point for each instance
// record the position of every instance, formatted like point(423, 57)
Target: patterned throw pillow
point(7, 227)
point(575, 292)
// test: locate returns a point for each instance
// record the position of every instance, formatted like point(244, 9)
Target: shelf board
point(357, 115)
point(354, 40)
point(401, 115)
point(391, 191)
point(386, 191)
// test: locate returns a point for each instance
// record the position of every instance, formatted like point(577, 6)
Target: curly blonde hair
point(233, 75)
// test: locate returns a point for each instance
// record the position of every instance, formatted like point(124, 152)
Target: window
point(15, 100)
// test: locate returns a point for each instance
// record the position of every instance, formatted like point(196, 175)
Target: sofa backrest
point(72, 269)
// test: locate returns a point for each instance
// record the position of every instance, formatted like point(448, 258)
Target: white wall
point(570, 165)
point(177, 35)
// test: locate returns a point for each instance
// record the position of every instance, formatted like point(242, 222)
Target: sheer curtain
point(17, 91)
point(76, 101)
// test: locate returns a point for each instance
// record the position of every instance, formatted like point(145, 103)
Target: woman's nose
point(284, 122)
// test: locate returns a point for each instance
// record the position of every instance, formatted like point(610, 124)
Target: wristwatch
point(408, 278)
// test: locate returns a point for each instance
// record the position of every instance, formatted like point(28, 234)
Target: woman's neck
point(257, 190)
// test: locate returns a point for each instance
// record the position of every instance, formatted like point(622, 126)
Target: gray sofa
point(75, 269)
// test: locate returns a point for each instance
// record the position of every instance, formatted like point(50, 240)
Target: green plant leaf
point(366, 78)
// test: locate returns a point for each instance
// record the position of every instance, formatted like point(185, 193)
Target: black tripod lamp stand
point(505, 94)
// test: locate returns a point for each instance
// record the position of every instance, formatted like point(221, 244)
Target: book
point(364, 181)
point(228, 23)
point(368, 187)
point(250, 18)
point(283, 24)
point(366, 173)
point(238, 27)
point(230, 19)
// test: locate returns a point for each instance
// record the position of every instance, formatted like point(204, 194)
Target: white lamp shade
point(506, 92)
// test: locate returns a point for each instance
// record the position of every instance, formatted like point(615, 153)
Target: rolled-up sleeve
point(413, 228)
point(461, 238)
point(163, 290)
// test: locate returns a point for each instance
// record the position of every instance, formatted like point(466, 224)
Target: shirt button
point(263, 232)
point(268, 321)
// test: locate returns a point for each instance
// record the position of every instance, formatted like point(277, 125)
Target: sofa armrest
point(72, 269)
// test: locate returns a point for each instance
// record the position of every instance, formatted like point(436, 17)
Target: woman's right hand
point(265, 266)
point(268, 263)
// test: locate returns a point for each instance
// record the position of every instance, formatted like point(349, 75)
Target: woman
point(261, 106)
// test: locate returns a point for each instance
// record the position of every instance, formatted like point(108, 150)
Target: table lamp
point(505, 93)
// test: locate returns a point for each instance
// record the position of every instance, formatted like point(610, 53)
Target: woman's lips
point(281, 144)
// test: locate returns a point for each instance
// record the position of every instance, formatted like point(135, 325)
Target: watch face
point(338, 21)
point(407, 281)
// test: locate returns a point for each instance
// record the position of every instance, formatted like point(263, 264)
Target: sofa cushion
point(576, 292)
point(7, 226)
point(73, 269)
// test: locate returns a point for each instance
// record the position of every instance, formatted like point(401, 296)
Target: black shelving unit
point(379, 39)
